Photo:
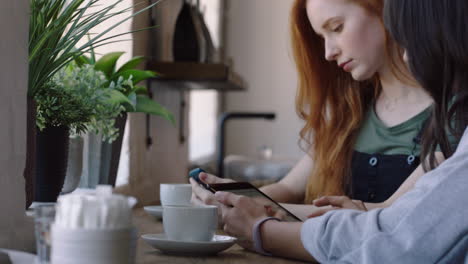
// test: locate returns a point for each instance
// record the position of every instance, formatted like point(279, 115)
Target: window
point(204, 103)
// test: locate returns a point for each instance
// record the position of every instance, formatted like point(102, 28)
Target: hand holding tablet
point(246, 189)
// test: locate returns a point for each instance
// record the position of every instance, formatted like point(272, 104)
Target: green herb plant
point(129, 94)
point(80, 98)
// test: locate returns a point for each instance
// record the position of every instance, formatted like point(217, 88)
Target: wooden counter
point(148, 255)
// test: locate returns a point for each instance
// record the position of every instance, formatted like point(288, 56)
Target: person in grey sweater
point(429, 223)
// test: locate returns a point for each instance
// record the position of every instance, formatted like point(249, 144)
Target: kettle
point(192, 41)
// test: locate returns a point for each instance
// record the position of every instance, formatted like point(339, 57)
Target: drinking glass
point(43, 217)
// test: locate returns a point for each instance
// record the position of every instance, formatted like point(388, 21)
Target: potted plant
point(56, 29)
point(76, 100)
point(132, 97)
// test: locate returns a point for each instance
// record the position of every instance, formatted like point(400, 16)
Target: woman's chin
point(360, 76)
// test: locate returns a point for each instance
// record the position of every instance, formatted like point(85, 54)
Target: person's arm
point(291, 189)
point(303, 211)
point(284, 239)
point(278, 238)
point(425, 225)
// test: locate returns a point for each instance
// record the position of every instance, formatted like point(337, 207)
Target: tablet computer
point(247, 189)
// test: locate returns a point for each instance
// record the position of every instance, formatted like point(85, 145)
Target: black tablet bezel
point(245, 185)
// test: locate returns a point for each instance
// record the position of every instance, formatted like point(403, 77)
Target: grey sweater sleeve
point(429, 224)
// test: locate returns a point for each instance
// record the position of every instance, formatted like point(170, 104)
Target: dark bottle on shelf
point(186, 46)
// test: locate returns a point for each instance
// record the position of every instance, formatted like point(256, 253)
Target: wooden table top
point(146, 254)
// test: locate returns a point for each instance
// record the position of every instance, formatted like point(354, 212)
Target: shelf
point(192, 76)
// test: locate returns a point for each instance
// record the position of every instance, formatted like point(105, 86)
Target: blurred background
point(247, 43)
point(224, 71)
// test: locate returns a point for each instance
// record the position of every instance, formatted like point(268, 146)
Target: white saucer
point(218, 244)
point(20, 257)
point(155, 210)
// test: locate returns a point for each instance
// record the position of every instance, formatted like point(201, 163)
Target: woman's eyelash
point(338, 28)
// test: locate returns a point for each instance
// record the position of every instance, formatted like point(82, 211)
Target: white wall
point(124, 43)
point(15, 230)
point(258, 41)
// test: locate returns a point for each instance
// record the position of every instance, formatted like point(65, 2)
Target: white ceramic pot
point(75, 165)
point(77, 246)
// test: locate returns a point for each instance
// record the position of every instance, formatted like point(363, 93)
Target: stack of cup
point(183, 221)
point(93, 229)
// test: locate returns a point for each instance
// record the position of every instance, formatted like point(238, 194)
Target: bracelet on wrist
point(257, 236)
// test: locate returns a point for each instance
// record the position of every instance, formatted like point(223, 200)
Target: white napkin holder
point(94, 228)
point(98, 246)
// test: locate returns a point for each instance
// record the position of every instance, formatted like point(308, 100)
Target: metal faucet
point(222, 133)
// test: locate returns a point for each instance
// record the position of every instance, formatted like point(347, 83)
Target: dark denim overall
point(375, 177)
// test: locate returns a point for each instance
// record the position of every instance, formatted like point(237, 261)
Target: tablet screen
point(260, 197)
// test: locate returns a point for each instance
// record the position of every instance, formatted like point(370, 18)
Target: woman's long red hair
point(331, 103)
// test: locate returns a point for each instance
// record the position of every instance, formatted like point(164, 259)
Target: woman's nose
point(331, 51)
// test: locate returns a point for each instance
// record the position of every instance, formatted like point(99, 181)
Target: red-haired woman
point(428, 224)
point(363, 112)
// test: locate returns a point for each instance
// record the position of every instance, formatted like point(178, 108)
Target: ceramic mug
point(190, 223)
point(175, 194)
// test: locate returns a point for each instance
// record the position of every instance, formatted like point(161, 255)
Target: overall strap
point(417, 140)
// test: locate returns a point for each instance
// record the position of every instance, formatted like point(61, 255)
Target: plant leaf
point(93, 54)
point(82, 60)
point(140, 90)
point(148, 106)
point(131, 64)
point(133, 98)
point(117, 97)
point(137, 75)
point(106, 63)
point(56, 28)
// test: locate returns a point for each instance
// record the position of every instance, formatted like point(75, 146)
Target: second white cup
point(190, 223)
point(175, 194)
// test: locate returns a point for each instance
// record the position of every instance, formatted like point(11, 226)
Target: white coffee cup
point(190, 223)
point(175, 194)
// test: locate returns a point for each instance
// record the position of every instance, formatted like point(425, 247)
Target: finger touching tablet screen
point(247, 189)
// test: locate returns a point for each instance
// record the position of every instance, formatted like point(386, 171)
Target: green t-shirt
point(375, 137)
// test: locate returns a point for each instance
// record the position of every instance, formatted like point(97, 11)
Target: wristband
point(364, 205)
point(257, 236)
